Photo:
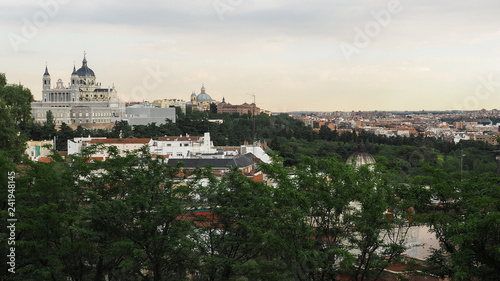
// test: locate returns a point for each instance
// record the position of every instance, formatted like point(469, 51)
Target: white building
point(177, 147)
point(37, 149)
point(258, 150)
point(184, 146)
point(82, 101)
point(76, 145)
point(172, 147)
point(123, 145)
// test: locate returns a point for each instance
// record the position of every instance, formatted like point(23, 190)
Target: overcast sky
point(321, 55)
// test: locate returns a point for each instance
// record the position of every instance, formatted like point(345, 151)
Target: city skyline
point(292, 55)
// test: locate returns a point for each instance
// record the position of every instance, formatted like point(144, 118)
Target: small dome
point(360, 157)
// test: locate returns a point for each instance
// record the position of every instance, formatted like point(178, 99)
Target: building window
point(179, 153)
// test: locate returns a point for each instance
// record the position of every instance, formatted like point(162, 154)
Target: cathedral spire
point(84, 62)
point(46, 71)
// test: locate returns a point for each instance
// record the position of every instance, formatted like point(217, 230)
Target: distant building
point(35, 149)
point(76, 145)
point(240, 109)
point(202, 101)
point(82, 101)
point(258, 149)
point(123, 144)
point(491, 139)
point(184, 146)
point(171, 103)
point(464, 124)
point(167, 146)
point(143, 114)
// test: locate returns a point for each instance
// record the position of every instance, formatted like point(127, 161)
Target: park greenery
point(134, 217)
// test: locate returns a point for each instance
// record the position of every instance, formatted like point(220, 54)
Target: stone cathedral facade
point(82, 101)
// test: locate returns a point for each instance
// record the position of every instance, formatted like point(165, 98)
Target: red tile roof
point(45, 159)
point(163, 156)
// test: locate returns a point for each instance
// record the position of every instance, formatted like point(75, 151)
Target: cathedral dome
point(203, 97)
point(360, 157)
point(85, 70)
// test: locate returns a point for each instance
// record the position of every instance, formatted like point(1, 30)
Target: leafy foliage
point(464, 215)
point(15, 117)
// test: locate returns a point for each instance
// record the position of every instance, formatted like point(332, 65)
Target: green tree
point(332, 220)
point(292, 234)
point(64, 134)
point(49, 126)
point(233, 240)
point(464, 215)
point(136, 207)
point(328, 186)
point(15, 118)
point(3, 80)
point(46, 210)
point(380, 224)
point(325, 133)
point(121, 129)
